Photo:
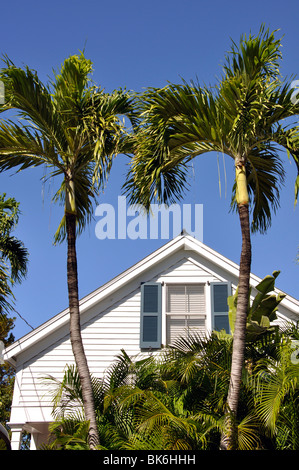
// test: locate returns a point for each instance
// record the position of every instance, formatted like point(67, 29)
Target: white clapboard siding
point(108, 331)
point(103, 337)
point(187, 269)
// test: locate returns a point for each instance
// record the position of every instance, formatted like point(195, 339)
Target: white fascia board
point(191, 244)
point(131, 273)
point(34, 336)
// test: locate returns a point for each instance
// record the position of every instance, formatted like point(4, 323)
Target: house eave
point(185, 242)
point(89, 300)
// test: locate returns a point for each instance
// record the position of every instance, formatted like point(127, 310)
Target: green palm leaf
point(72, 128)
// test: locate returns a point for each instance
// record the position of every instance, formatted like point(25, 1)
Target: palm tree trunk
point(229, 436)
point(75, 330)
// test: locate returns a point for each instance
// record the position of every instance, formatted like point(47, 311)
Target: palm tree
point(241, 118)
point(73, 128)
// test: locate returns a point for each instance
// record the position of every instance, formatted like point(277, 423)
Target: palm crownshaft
point(74, 130)
point(240, 118)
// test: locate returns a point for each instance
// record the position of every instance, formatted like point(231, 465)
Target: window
point(185, 310)
point(220, 291)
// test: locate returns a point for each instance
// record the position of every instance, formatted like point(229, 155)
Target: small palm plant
point(176, 400)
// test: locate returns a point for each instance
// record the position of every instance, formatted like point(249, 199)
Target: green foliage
point(68, 435)
point(176, 400)
point(262, 310)
point(7, 372)
point(276, 394)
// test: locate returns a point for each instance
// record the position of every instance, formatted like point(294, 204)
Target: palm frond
point(240, 118)
point(66, 394)
point(254, 55)
point(72, 127)
point(22, 147)
point(248, 433)
point(14, 250)
point(27, 94)
point(275, 383)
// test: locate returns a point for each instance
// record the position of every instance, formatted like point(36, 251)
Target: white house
point(180, 286)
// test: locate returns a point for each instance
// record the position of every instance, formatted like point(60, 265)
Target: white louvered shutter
point(186, 309)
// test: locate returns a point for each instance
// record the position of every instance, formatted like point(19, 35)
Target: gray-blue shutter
point(151, 315)
point(220, 291)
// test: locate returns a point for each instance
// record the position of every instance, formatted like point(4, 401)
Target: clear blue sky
point(136, 44)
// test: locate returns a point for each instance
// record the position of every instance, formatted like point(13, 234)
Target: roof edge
point(184, 240)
